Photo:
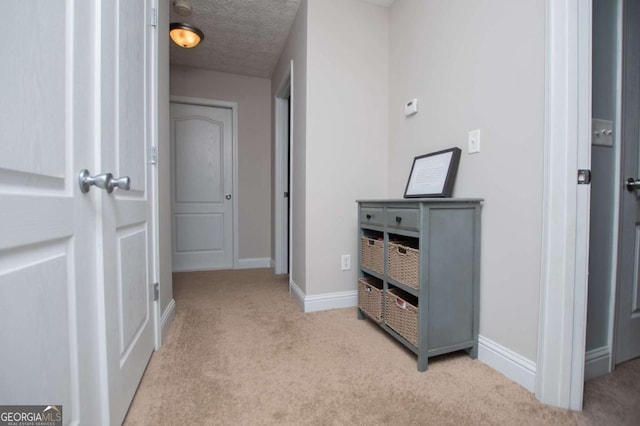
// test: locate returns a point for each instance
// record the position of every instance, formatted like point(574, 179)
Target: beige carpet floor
point(240, 352)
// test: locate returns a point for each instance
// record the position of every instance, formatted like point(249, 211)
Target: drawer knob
point(398, 219)
point(369, 216)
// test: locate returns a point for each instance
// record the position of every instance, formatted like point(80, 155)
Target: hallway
point(241, 352)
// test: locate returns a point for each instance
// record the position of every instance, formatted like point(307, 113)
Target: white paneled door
point(47, 268)
point(127, 228)
point(202, 182)
point(76, 269)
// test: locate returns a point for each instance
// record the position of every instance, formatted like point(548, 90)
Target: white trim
point(297, 294)
point(327, 301)
point(253, 263)
point(234, 112)
point(563, 287)
point(282, 132)
point(155, 176)
point(168, 316)
point(323, 302)
point(597, 362)
point(292, 120)
point(157, 325)
point(617, 197)
point(583, 205)
point(516, 367)
point(199, 269)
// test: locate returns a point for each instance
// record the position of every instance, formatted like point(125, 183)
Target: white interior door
point(202, 182)
point(48, 299)
point(628, 306)
point(127, 227)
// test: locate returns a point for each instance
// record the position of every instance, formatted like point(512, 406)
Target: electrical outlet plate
point(474, 141)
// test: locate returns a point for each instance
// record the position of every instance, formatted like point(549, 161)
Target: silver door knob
point(86, 181)
point(228, 196)
point(123, 182)
point(632, 184)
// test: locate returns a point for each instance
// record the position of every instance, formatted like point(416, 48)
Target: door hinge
point(154, 154)
point(154, 17)
point(584, 177)
point(156, 291)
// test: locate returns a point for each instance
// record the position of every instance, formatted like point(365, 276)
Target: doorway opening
point(613, 319)
point(282, 194)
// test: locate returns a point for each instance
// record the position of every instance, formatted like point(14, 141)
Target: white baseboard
point(167, 318)
point(272, 263)
point(323, 302)
point(597, 362)
point(253, 263)
point(297, 294)
point(516, 367)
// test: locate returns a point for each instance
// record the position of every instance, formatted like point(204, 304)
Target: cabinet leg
point(360, 314)
point(423, 362)
point(473, 351)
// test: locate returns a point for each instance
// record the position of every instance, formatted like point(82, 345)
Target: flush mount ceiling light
point(185, 35)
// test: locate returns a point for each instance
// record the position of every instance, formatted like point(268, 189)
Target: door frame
point(565, 244)
point(154, 102)
point(283, 135)
point(233, 106)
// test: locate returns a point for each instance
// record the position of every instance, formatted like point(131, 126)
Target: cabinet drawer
point(403, 218)
point(372, 216)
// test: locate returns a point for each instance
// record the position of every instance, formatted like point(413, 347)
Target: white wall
point(296, 50)
point(347, 130)
point(480, 65)
point(254, 147)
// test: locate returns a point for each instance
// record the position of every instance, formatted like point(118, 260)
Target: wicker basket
point(372, 254)
point(404, 264)
point(370, 297)
point(401, 314)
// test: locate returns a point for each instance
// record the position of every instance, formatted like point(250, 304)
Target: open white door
point(127, 101)
point(75, 268)
point(48, 299)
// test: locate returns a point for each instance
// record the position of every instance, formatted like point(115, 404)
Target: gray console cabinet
point(447, 234)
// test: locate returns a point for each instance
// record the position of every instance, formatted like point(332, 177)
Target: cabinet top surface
point(423, 200)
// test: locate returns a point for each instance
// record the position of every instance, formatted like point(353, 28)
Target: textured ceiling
point(240, 36)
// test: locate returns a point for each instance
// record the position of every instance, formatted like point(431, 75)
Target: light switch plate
point(474, 141)
point(602, 132)
point(345, 263)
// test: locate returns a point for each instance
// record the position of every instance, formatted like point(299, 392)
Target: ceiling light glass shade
point(185, 35)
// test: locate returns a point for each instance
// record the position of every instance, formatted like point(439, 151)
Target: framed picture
point(432, 175)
